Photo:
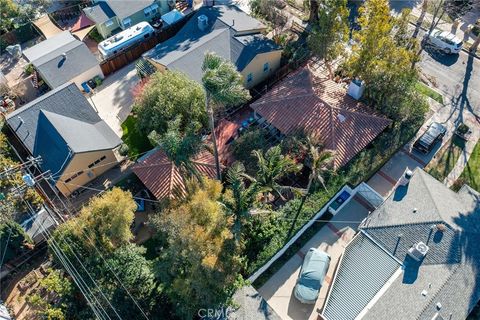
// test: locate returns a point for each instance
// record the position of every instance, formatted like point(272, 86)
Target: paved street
point(457, 77)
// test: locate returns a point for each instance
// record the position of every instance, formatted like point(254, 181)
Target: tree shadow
point(462, 102)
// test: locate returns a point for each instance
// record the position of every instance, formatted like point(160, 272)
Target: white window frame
point(250, 77)
point(127, 22)
point(108, 23)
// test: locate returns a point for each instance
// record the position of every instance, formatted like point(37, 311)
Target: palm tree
point(272, 167)
point(239, 199)
point(223, 85)
point(320, 162)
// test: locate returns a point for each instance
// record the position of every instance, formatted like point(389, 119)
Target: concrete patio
point(332, 238)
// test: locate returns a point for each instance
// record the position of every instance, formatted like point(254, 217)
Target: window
point(127, 23)
point(249, 77)
point(147, 11)
point(266, 67)
point(108, 23)
point(154, 8)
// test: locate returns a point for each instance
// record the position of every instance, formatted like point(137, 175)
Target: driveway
point(332, 238)
point(113, 100)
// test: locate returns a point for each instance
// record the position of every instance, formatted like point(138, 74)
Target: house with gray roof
point(227, 31)
point(61, 127)
point(112, 16)
point(415, 257)
point(62, 59)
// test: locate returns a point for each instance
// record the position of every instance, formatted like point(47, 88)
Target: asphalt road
point(457, 77)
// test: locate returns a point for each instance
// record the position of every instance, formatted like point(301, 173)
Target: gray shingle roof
point(49, 45)
point(56, 69)
point(100, 12)
point(185, 51)
point(364, 269)
point(448, 223)
point(47, 58)
point(59, 124)
point(251, 306)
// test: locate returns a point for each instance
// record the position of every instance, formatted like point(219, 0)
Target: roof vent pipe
point(202, 22)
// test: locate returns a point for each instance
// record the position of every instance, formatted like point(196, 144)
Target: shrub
point(243, 146)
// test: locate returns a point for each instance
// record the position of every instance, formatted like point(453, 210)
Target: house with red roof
point(305, 101)
point(165, 179)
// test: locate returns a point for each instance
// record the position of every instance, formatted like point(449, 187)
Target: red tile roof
point(225, 132)
point(322, 108)
point(164, 179)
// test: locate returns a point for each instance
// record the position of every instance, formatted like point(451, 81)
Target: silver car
point(313, 271)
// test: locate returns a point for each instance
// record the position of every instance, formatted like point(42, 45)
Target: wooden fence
point(134, 52)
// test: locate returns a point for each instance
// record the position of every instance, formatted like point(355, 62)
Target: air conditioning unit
point(418, 251)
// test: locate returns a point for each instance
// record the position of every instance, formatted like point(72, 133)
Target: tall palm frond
point(223, 86)
point(272, 167)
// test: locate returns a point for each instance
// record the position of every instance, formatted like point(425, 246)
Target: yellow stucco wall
point(80, 162)
point(255, 67)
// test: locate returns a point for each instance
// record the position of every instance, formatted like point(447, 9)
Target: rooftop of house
point(445, 283)
point(164, 178)
point(104, 10)
point(239, 43)
point(61, 58)
point(321, 107)
point(251, 305)
point(59, 124)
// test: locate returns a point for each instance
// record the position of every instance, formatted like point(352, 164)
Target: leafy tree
point(272, 167)
point(198, 266)
point(8, 11)
point(239, 198)
point(244, 145)
point(104, 222)
point(330, 32)
point(136, 276)
point(53, 296)
point(379, 58)
point(168, 96)
point(223, 85)
point(13, 241)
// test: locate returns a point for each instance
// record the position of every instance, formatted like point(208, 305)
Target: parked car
point(445, 41)
point(427, 141)
point(313, 271)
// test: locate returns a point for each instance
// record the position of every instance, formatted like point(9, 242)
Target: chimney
point(202, 22)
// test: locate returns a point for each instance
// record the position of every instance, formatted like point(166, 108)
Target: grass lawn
point(471, 173)
point(441, 167)
point(136, 141)
point(429, 92)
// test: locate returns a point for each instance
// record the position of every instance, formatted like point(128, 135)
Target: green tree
point(13, 241)
point(244, 145)
point(223, 86)
point(168, 96)
point(8, 11)
point(383, 62)
point(238, 198)
point(272, 167)
point(330, 32)
point(198, 265)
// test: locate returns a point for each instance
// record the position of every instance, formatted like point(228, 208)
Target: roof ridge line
point(408, 224)
point(289, 97)
point(431, 197)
